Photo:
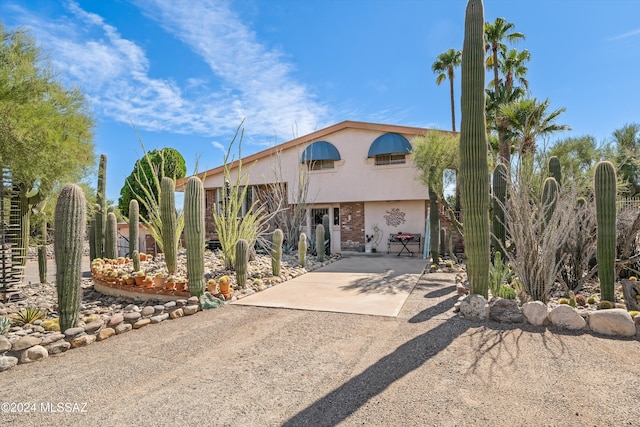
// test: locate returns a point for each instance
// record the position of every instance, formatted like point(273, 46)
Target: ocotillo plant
point(434, 227)
point(554, 169)
point(242, 262)
point(327, 233)
point(549, 199)
point(499, 202)
point(320, 242)
point(134, 225)
point(194, 234)
point(302, 249)
point(111, 237)
point(70, 220)
point(169, 223)
point(101, 206)
point(474, 171)
point(276, 251)
point(605, 195)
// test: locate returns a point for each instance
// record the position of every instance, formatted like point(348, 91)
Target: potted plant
point(212, 285)
point(147, 282)
point(159, 280)
point(225, 285)
point(170, 282)
point(181, 283)
point(139, 277)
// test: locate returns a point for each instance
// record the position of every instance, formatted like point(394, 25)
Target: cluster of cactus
point(434, 226)
point(320, 242)
point(101, 207)
point(276, 251)
point(169, 223)
point(327, 231)
point(242, 262)
point(499, 202)
point(474, 171)
point(194, 234)
point(302, 249)
point(111, 237)
point(605, 191)
point(70, 220)
point(134, 225)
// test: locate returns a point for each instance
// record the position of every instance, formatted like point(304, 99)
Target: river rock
point(158, 309)
point(148, 311)
point(132, 317)
point(475, 307)
point(105, 334)
point(123, 327)
point(565, 316)
point(25, 342)
point(159, 318)
point(535, 312)
point(71, 333)
point(177, 313)
point(7, 362)
point(33, 354)
point(82, 341)
point(115, 320)
point(5, 344)
point(191, 309)
point(58, 347)
point(505, 310)
point(615, 321)
point(141, 323)
point(93, 326)
point(51, 338)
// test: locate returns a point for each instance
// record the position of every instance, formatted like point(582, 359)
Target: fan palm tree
point(444, 67)
point(494, 35)
point(514, 69)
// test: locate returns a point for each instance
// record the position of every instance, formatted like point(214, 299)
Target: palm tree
point(514, 69)
point(444, 66)
point(526, 120)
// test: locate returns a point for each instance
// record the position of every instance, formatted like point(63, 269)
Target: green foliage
point(605, 197)
point(499, 275)
point(5, 325)
point(444, 67)
point(169, 223)
point(29, 315)
point(319, 240)
point(276, 251)
point(241, 262)
point(474, 171)
point(154, 165)
point(506, 292)
point(194, 229)
point(578, 157)
point(302, 249)
point(70, 221)
point(627, 157)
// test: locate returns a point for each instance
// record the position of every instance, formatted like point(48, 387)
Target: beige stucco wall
point(394, 217)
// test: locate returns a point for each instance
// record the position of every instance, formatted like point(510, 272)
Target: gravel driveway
point(252, 366)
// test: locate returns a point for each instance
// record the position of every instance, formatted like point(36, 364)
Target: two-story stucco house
point(361, 174)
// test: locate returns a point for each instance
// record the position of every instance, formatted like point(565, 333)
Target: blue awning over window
point(389, 143)
point(320, 150)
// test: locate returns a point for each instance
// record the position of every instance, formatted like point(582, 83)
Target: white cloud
point(625, 35)
point(219, 146)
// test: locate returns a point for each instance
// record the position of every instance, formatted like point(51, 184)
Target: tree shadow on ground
point(390, 282)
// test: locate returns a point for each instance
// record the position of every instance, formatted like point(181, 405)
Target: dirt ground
point(251, 366)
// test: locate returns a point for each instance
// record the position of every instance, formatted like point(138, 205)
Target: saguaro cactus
point(499, 202)
point(136, 260)
point(276, 251)
point(474, 171)
point(549, 199)
point(194, 234)
point(92, 238)
point(169, 223)
point(434, 227)
point(70, 220)
point(327, 233)
point(302, 249)
point(320, 242)
point(111, 237)
point(554, 169)
point(134, 225)
point(605, 196)
point(101, 206)
point(242, 262)
point(42, 254)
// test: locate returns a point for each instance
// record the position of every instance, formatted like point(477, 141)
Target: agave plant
point(29, 315)
point(5, 325)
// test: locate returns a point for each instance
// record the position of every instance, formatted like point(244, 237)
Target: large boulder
point(536, 313)
point(475, 307)
point(616, 321)
point(505, 310)
point(565, 316)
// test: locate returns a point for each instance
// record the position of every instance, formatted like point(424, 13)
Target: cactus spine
point(111, 237)
point(194, 234)
point(276, 251)
point(474, 171)
point(327, 232)
point(320, 242)
point(134, 225)
point(42, 254)
point(499, 202)
point(605, 196)
point(70, 220)
point(549, 199)
point(554, 169)
point(242, 262)
point(302, 249)
point(169, 223)
point(434, 227)
point(101, 206)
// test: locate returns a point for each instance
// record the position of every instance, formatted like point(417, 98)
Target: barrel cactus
point(111, 237)
point(320, 242)
point(327, 232)
point(134, 226)
point(70, 220)
point(474, 171)
point(499, 202)
point(605, 196)
point(276, 251)
point(101, 206)
point(194, 234)
point(242, 262)
point(302, 249)
point(169, 223)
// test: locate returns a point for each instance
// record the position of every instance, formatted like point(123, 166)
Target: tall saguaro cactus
point(327, 233)
point(194, 234)
point(42, 254)
point(169, 223)
point(554, 169)
point(499, 202)
point(276, 251)
point(111, 237)
point(302, 249)
point(605, 195)
point(549, 198)
point(134, 226)
point(101, 206)
point(70, 220)
point(474, 170)
point(242, 262)
point(320, 242)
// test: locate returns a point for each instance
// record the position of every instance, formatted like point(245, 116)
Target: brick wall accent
point(352, 233)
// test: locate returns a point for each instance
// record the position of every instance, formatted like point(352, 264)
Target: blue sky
point(186, 73)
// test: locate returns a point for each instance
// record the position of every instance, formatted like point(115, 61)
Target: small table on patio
point(404, 239)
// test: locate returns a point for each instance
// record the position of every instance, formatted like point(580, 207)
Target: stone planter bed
point(103, 316)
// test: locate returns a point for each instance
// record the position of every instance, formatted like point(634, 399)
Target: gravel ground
point(251, 366)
